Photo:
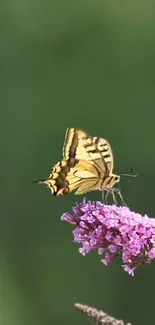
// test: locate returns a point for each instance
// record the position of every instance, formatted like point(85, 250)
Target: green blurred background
point(86, 64)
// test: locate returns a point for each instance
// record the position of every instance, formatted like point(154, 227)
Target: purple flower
point(113, 231)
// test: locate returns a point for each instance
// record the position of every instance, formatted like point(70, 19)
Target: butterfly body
point(87, 165)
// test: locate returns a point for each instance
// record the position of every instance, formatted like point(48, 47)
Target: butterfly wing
point(104, 149)
point(57, 178)
point(81, 146)
point(86, 163)
point(88, 185)
point(75, 146)
point(83, 176)
point(65, 179)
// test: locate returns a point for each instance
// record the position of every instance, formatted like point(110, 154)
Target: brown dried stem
point(98, 316)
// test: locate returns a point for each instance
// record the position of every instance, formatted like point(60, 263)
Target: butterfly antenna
point(129, 174)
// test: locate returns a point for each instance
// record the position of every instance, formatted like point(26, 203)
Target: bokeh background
point(86, 64)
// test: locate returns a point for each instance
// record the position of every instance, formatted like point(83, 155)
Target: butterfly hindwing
point(65, 178)
point(57, 179)
point(87, 186)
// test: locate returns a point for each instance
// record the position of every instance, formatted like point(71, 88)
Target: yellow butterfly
point(87, 165)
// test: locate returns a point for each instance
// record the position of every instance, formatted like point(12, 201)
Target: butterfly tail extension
point(50, 184)
point(40, 181)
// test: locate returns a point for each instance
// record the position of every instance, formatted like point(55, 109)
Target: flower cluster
point(113, 231)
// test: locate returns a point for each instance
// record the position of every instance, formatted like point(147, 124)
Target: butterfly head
point(113, 179)
point(116, 178)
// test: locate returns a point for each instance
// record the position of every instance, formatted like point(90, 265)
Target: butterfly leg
point(114, 197)
point(103, 195)
point(106, 197)
point(120, 195)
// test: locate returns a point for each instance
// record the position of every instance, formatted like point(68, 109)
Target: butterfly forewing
point(75, 145)
point(104, 149)
point(80, 145)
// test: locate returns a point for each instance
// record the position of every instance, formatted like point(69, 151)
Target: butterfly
point(87, 165)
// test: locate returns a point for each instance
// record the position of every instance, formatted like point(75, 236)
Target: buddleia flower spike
point(113, 231)
point(98, 316)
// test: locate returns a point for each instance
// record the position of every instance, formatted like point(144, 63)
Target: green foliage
point(71, 64)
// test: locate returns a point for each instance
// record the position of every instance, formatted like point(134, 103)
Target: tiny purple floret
point(113, 231)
